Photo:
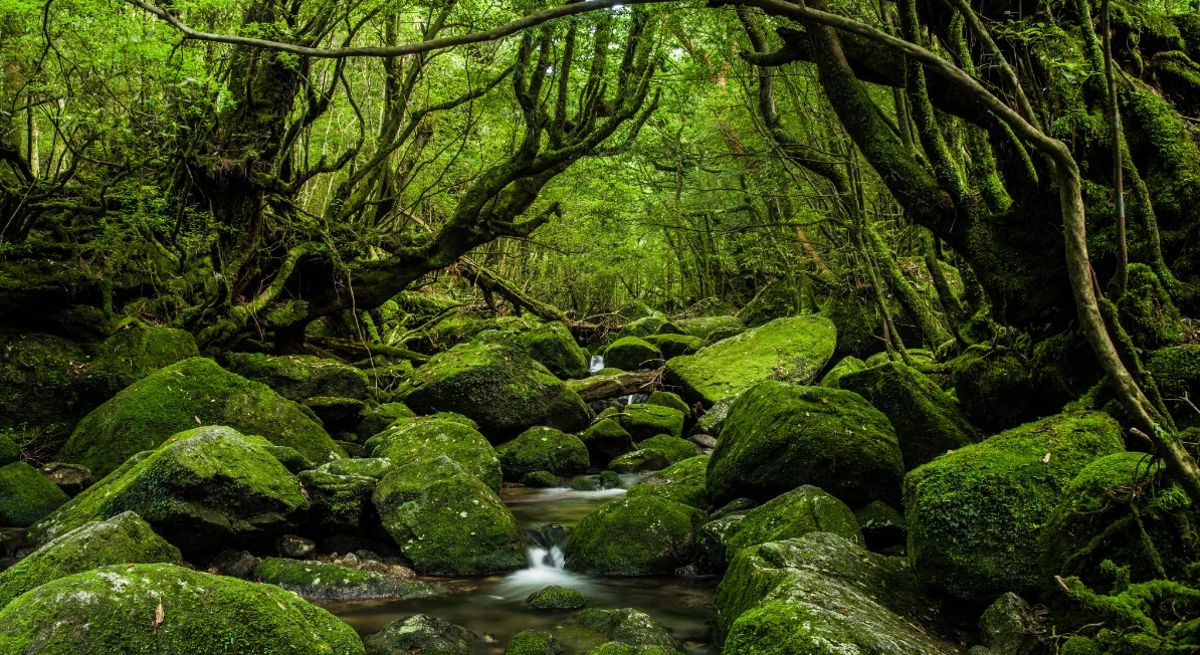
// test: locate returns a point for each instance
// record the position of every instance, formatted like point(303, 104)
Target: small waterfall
point(596, 365)
point(547, 558)
point(547, 564)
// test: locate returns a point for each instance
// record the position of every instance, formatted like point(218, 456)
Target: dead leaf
point(158, 617)
point(1046, 458)
point(197, 420)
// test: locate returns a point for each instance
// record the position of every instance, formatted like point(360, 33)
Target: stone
point(71, 478)
point(295, 547)
point(632, 354)
point(542, 448)
point(423, 634)
point(300, 377)
point(325, 581)
point(429, 437)
point(556, 597)
point(639, 535)
point(26, 496)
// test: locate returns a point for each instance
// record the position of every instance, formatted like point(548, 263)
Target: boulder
point(137, 350)
point(674, 345)
point(643, 459)
point(446, 521)
point(605, 480)
point(604, 440)
point(643, 327)
point(542, 449)
point(46, 384)
point(982, 375)
point(429, 438)
point(713, 420)
point(327, 582)
point(882, 527)
point(976, 515)
point(631, 354)
point(295, 547)
point(26, 496)
point(779, 436)
point(499, 387)
point(540, 480)
point(533, 642)
point(338, 504)
point(122, 539)
point(423, 634)
point(629, 627)
point(366, 467)
point(203, 490)
point(339, 415)
point(674, 448)
point(71, 478)
point(774, 300)
point(1010, 626)
point(682, 482)
point(789, 349)
point(180, 396)
point(707, 326)
point(114, 609)
point(299, 377)
point(927, 421)
point(640, 535)
point(643, 420)
point(556, 597)
point(844, 366)
point(553, 345)
point(377, 418)
point(668, 399)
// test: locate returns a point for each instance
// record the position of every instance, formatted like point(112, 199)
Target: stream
point(494, 607)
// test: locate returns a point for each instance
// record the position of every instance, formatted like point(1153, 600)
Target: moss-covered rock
point(674, 345)
point(628, 627)
point(789, 349)
point(779, 436)
point(1146, 312)
point(682, 482)
point(823, 595)
point(533, 642)
point(338, 503)
point(674, 448)
point(9, 450)
point(793, 514)
point(46, 384)
point(26, 495)
point(713, 420)
point(429, 438)
point(927, 421)
point(122, 539)
point(427, 635)
point(642, 459)
point(1009, 626)
point(178, 397)
point(644, 420)
point(777, 299)
point(499, 387)
point(446, 521)
point(367, 467)
point(983, 376)
point(298, 377)
point(1176, 372)
point(640, 535)
point(604, 480)
point(706, 326)
point(113, 610)
point(668, 399)
point(976, 515)
point(556, 597)
point(643, 327)
point(844, 366)
point(203, 490)
point(326, 581)
point(540, 479)
point(606, 439)
point(377, 418)
point(542, 449)
point(137, 350)
point(553, 345)
point(631, 354)
point(859, 327)
point(881, 525)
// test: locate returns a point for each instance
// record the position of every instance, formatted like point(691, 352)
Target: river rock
point(674, 345)
point(606, 439)
point(556, 597)
point(377, 418)
point(26, 495)
point(423, 634)
point(553, 345)
point(707, 326)
point(338, 504)
point(639, 535)
point(643, 420)
point(845, 366)
point(367, 467)
point(540, 480)
point(533, 642)
point(632, 354)
point(643, 459)
point(325, 581)
point(299, 377)
point(628, 626)
point(542, 448)
point(428, 438)
point(668, 399)
point(71, 478)
point(682, 482)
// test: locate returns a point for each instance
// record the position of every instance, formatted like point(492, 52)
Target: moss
point(533, 642)
point(178, 397)
point(779, 436)
point(793, 514)
point(203, 490)
point(857, 325)
point(91, 612)
point(639, 535)
point(540, 479)
point(542, 449)
point(46, 384)
point(674, 345)
point(926, 420)
point(705, 327)
point(324, 581)
point(26, 495)
point(778, 299)
point(553, 345)
point(628, 626)
point(605, 480)
point(975, 515)
point(420, 633)
point(555, 597)
point(682, 482)
point(367, 467)
point(713, 420)
point(668, 399)
point(446, 522)
point(9, 451)
point(138, 349)
point(605, 440)
point(674, 448)
point(428, 438)
point(982, 375)
point(788, 349)
point(298, 377)
point(1147, 618)
point(642, 327)
point(377, 418)
point(338, 503)
point(1176, 373)
point(1146, 311)
point(845, 365)
point(631, 354)
point(643, 420)
point(881, 525)
point(642, 459)
point(499, 387)
point(122, 539)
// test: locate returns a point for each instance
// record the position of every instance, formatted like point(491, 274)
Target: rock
point(682, 482)
point(627, 626)
point(122, 539)
point(674, 345)
point(542, 449)
point(882, 527)
point(71, 478)
point(605, 480)
point(324, 581)
point(91, 612)
point(12, 541)
point(180, 396)
point(776, 299)
point(975, 516)
point(789, 349)
point(846, 365)
point(926, 420)
point(499, 387)
point(674, 448)
point(203, 490)
point(643, 459)
point(643, 327)
point(553, 345)
point(338, 504)
point(1146, 311)
point(706, 441)
point(430, 437)
point(9, 450)
point(981, 375)
point(423, 634)
point(367, 467)
point(388, 377)
point(235, 564)
point(1176, 372)
point(447, 522)
point(823, 595)
point(46, 384)
point(631, 354)
point(793, 514)
point(299, 377)
point(735, 506)
point(859, 328)
point(376, 419)
point(533, 642)
point(555, 597)
point(295, 547)
point(137, 350)
point(1009, 627)
point(292, 459)
point(713, 420)
point(26, 495)
point(668, 399)
point(640, 535)
point(604, 440)
point(779, 436)
point(337, 414)
point(706, 326)
point(540, 479)
point(643, 421)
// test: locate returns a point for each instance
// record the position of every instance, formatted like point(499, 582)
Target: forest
point(612, 327)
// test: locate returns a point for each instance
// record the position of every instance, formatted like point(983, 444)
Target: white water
point(596, 365)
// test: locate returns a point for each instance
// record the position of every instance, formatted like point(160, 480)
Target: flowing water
point(494, 607)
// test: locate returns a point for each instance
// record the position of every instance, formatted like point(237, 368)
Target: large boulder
point(446, 521)
point(299, 377)
point(162, 608)
point(789, 349)
point(204, 490)
point(982, 375)
point(542, 449)
point(501, 388)
point(821, 594)
point(630, 628)
point(122, 539)
point(180, 396)
point(639, 535)
point(605, 440)
point(430, 437)
point(674, 345)
point(46, 384)
point(137, 350)
point(553, 345)
point(976, 515)
point(632, 354)
point(706, 326)
point(423, 634)
point(643, 420)
point(26, 495)
point(327, 581)
point(927, 420)
point(682, 482)
point(338, 504)
point(779, 436)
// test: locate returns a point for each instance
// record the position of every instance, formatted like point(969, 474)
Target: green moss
point(428, 438)
point(668, 399)
point(982, 375)
point(788, 349)
point(779, 436)
point(639, 535)
point(179, 397)
point(643, 327)
point(324, 581)
point(367, 467)
point(533, 642)
point(555, 597)
point(122, 539)
point(705, 327)
point(298, 377)
point(542, 449)
point(628, 626)
point(377, 418)
point(91, 613)
point(1146, 311)
point(446, 522)
point(674, 345)
point(26, 495)
point(713, 420)
point(642, 459)
point(46, 384)
point(778, 299)
point(976, 515)
point(137, 350)
point(553, 345)
point(606, 439)
point(927, 421)
point(643, 421)
point(674, 448)
point(9, 451)
point(682, 482)
point(1176, 372)
point(420, 633)
point(845, 365)
point(540, 479)
point(631, 354)
point(793, 514)
point(338, 502)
